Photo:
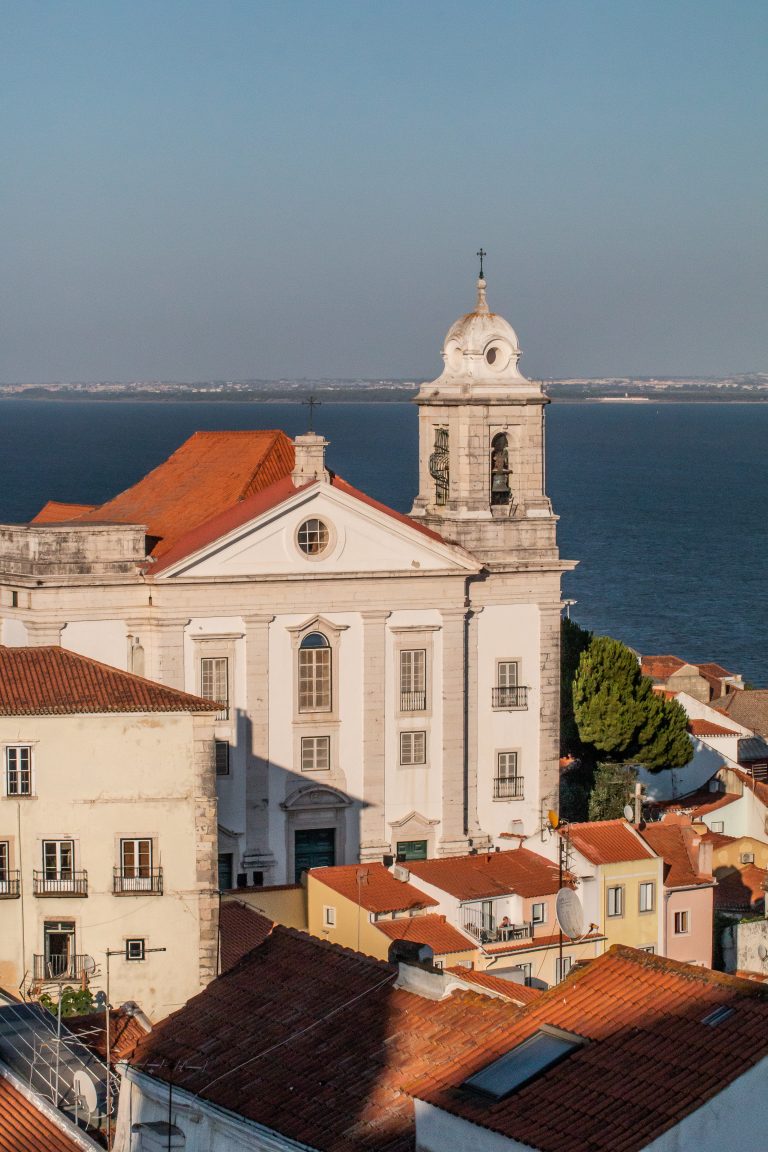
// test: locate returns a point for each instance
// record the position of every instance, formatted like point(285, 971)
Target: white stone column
point(43, 632)
point(168, 652)
point(374, 842)
point(473, 823)
point(453, 838)
point(549, 727)
point(258, 853)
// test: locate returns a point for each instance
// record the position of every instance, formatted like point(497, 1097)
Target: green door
point(314, 848)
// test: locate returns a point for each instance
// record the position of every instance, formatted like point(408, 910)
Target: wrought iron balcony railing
point(61, 966)
point(509, 788)
point(124, 883)
point(10, 884)
point(510, 697)
point(487, 930)
point(64, 882)
point(413, 701)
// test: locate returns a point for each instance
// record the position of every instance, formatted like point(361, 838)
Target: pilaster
point(374, 842)
point(43, 632)
point(549, 726)
point(454, 839)
point(258, 853)
point(168, 651)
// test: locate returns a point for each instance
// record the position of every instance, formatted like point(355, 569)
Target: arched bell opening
point(500, 470)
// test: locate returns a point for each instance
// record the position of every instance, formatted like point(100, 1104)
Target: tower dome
point(481, 346)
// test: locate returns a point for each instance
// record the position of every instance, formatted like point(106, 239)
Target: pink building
point(688, 891)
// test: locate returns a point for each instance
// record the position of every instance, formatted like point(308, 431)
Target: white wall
point(104, 640)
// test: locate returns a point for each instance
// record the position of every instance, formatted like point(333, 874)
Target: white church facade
point(388, 684)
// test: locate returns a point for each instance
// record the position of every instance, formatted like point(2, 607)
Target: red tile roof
point(758, 787)
point(608, 842)
point(316, 1042)
point(537, 943)
point(740, 889)
point(54, 512)
point(660, 667)
point(677, 844)
point(514, 871)
point(125, 1031)
point(718, 839)
point(373, 886)
point(650, 1061)
point(51, 681)
point(241, 929)
point(24, 1129)
point(433, 931)
point(210, 472)
point(509, 989)
point(707, 728)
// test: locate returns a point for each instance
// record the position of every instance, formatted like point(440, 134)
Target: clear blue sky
point(249, 188)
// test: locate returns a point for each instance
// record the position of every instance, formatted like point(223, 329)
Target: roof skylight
point(525, 1062)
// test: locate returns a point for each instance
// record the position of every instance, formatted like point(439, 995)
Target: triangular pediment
point(357, 537)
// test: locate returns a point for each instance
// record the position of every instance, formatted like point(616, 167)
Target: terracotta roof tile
point(51, 681)
point(748, 707)
point(54, 512)
point(740, 889)
point(25, 1129)
point(677, 844)
point(433, 931)
point(708, 728)
point(608, 841)
point(509, 989)
point(210, 472)
point(376, 889)
point(517, 870)
point(125, 1031)
point(242, 929)
point(660, 667)
point(536, 943)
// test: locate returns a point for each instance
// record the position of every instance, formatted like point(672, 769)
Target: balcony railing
point(413, 701)
point(124, 884)
point(487, 930)
point(509, 788)
point(61, 967)
point(10, 885)
point(60, 883)
point(510, 697)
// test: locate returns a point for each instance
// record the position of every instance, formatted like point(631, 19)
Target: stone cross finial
point(312, 404)
point(481, 254)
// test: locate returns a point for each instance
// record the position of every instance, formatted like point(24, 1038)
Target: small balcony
point(510, 698)
point(509, 788)
point(61, 967)
point(413, 701)
point(125, 883)
point(486, 930)
point(65, 882)
point(10, 884)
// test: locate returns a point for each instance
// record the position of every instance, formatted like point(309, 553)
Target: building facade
point(387, 684)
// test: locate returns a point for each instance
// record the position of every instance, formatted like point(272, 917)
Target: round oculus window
point(491, 355)
point(313, 537)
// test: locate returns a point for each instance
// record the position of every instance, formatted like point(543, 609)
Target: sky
point(297, 188)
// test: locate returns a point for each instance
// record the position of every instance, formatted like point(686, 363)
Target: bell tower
point(481, 445)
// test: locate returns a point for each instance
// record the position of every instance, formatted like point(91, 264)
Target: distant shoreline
point(364, 396)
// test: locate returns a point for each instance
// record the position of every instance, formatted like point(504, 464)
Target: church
point(386, 685)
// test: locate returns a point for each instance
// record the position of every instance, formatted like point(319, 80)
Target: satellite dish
point(762, 951)
point(85, 1090)
point(553, 817)
point(629, 812)
point(89, 965)
point(570, 915)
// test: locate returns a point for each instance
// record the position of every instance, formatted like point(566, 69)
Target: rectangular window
point(562, 968)
point(509, 692)
point(214, 682)
point(615, 901)
point(507, 672)
point(413, 680)
point(508, 785)
point(411, 849)
point(134, 949)
point(58, 859)
point(315, 753)
point(226, 871)
point(527, 971)
point(329, 916)
point(5, 861)
point(647, 948)
point(14, 599)
point(647, 896)
point(136, 859)
point(413, 748)
point(222, 757)
point(315, 679)
point(682, 923)
point(539, 913)
point(718, 826)
point(18, 770)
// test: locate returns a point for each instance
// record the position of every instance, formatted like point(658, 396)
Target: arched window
point(314, 673)
point(500, 469)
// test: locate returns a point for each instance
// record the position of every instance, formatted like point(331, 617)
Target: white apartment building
point(387, 684)
point(107, 832)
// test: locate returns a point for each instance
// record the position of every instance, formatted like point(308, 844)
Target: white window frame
point(413, 748)
point(5, 863)
point(59, 870)
point(718, 826)
point(135, 949)
point(563, 966)
point(13, 751)
point(412, 678)
point(139, 870)
point(542, 918)
point(214, 676)
point(644, 904)
point(615, 901)
point(329, 916)
point(503, 677)
point(315, 672)
point(686, 931)
point(314, 750)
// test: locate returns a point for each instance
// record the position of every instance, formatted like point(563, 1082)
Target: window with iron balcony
point(136, 875)
point(10, 878)
point(413, 680)
point(508, 784)
point(214, 682)
point(58, 876)
point(508, 693)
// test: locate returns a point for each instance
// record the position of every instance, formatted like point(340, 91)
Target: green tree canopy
point(619, 715)
point(573, 641)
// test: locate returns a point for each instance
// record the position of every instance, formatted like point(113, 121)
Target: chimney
point(310, 460)
point(704, 861)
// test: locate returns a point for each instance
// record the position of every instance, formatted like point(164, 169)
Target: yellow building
point(620, 882)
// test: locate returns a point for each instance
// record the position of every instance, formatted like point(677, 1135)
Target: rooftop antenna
point(312, 403)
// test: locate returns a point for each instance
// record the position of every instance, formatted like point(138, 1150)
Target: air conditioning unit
point(747, 858)
point(401, 873)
